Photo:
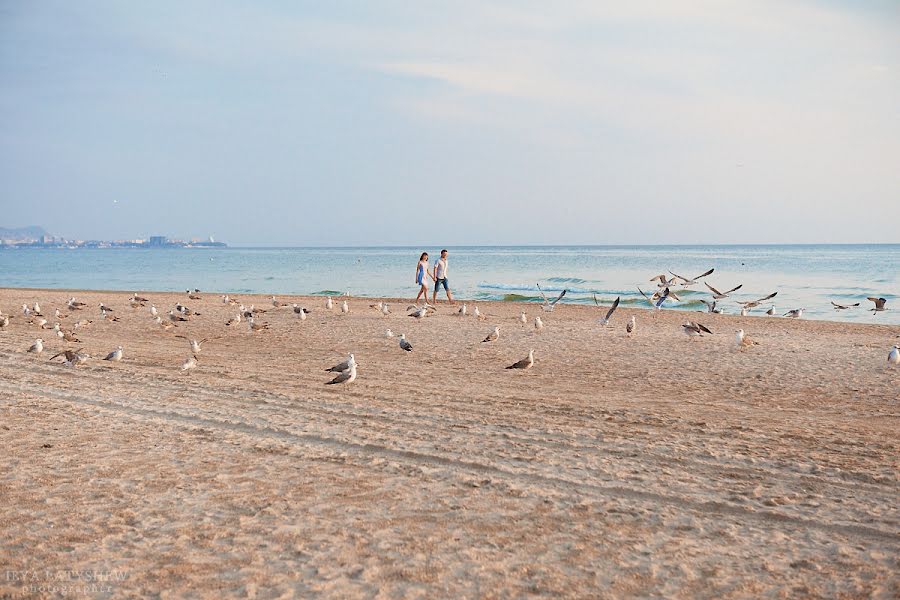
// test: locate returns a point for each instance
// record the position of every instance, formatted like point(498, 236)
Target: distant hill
point(22, 233)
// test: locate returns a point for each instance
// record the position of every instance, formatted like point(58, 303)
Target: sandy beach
point(649, 466)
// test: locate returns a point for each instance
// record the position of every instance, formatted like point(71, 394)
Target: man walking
point(440, 278)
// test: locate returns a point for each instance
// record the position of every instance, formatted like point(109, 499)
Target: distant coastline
point(37, 237)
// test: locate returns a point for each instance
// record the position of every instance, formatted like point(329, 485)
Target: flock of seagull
point(347, 369)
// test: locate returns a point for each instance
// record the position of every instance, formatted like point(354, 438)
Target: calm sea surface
point(804, 276)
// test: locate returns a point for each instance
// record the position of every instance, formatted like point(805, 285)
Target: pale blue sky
point(344, 123)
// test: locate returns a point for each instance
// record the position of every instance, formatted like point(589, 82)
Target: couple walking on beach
point(438, 275)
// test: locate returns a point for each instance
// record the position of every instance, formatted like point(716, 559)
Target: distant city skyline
point(465, 123)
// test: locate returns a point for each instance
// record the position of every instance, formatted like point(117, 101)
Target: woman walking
point(421, 273)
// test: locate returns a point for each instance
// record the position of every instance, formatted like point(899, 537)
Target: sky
point(453, 123)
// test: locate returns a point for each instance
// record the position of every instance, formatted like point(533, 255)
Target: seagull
point(755, 303)
point(523, 319)
point(477, 314)
point(462, 310)
point(190, 363)
point(343, 366)
point(166, 325)
point(663, 281)
point(743, 341)
point(345, 308)
point(388, 334)
point(81, 323)
point(711, 306)
point(72, 304)
point(58, 314)
point(492, 336)
point(404, 345)
point(347, 376)
point(794, 314)
point(692, 329)
point(104, 308)
point(193, 296)
point(842, 306)
point(115, 355)
point(137, 298)
point(538, 324)
point(299, 309)
point(26, 311)
point(744, 311)
point(629, 327)
point(385, 309)
point(329, 303)
point(233, 320)
point(72, 358)
point(717, 295)
point(276, 303)
point(4, 321)
point(770, 312)
point(153, 311)
point(685, 282)
point(256, 326)
point(549, 305)
point(175, 318)
point(525, 363)
point(894, 356)
point(37, 309)
point(37, 347)
point(879, 303)
point(421, 312)
point(605, 320)
point(195, 344)
point(40, 322)
point(68, 336)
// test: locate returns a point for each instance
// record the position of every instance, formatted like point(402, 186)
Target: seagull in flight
point(658, 298)
point(525, 363)
point(685, 282)
point(609, 313)
point(549, 305)
point(717, 295)
point(754, 303)
point(842, 306)
point(195, 344)
point(663, 281)
point(879, 303)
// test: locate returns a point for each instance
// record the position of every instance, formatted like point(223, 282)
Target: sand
point(652, 466)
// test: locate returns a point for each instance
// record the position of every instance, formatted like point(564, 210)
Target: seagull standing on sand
point(419, 313)
point(462, 310)
point(4, 321)
point(538, 324)
point(115, 355)
point(404, 345)
point(477, 314)
point(744, 311)
point(329, 303)
point(26, 311)
point(771, 311)
point(233, 320)
point(342, 366)
point(492, 336)
point(190, 363)
point(894, 356)
point(794, 314)
point(388, 334)
point(525, 363)
point(153, 311)
point(523, 319)
point(253, 326)
point(347, 376)
point(743, 341)
point(385, 309)
point(345, 308)
point(629, 328)
point(605, 320)
point(37, 347)
point(693, 330)
point(36, 308)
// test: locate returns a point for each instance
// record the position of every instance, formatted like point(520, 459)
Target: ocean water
point(804, 276)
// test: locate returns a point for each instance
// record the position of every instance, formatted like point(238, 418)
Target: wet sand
point(616, 467)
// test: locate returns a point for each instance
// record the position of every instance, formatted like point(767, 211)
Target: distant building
point(157, 241)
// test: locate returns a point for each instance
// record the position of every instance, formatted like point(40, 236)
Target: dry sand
point(654, 466)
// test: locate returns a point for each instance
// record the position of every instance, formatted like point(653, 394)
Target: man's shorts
point(441, 282)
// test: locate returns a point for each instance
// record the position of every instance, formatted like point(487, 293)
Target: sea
point(804, 276)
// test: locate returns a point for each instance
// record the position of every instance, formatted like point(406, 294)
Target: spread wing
point(704, 275)
point(542, 293)
point(772, 295)
point(558, 298)
point(613, 308)
point(702, 328)
point(714, 290)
